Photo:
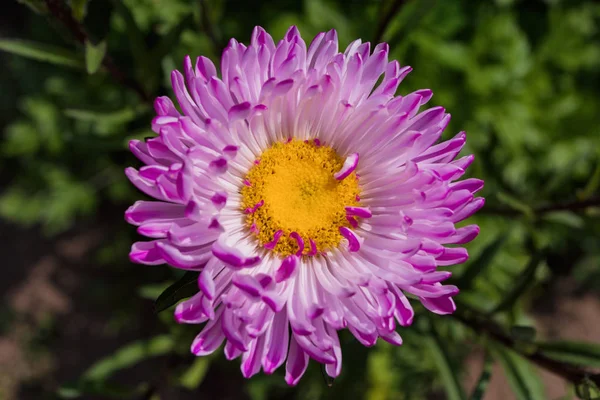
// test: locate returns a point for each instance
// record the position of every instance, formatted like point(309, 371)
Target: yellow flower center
point(291, 188)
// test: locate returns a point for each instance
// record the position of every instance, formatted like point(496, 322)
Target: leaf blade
point(194, 375)
point(525, 383)
point(580, 353)
point(42, 52)
point(454, 389)
point(521, 285)
point(128, 356)
point(79, 9)
point(477, 266)
point(483, 380)
point(94, 55)
point(185, 287)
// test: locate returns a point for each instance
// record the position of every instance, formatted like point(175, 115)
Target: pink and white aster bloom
point(310, 198)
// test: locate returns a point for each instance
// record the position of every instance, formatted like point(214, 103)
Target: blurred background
point(77, 319)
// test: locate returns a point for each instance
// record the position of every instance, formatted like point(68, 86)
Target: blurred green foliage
point(521, 77)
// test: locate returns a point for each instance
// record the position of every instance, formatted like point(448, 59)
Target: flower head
point(310, 197)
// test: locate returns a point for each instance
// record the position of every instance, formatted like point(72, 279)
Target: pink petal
point(296, 364)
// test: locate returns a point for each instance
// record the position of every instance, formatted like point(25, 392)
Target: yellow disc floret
point(294, 186)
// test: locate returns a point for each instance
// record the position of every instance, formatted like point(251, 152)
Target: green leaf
point(37, 6)
point(522, 333)
point(42, 52)
point(99, 388)
point(193, 377)
point(141, 135)
point(484, 379)
point(129, 355)
point(116, 117)
point(587, 390)
point(484, 260)
point(135, 36)
point(580, 353)
point(521, 376)
point(522, 283)
point(78, 9)
point(448, 373)
point(322, 15)
point(567, 218)
point(515, 203)
point(185, 287)
point(170, 40)
point(94, 54)
point(593, 184)
point(152, 291)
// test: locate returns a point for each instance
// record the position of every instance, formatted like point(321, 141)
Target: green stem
point(575, 205)
point(59, 10)
point(386, 18)
point(482, 325)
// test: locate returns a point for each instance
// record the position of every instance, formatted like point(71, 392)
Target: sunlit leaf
point(78, 9)
point(105, 390)
point(484, 260)
point(194, 375)
point(515, 203)
point(523, 281)
point(129, 355)
point(42, 52)
point(94, 54)
point(521, 376)
point(483, 380)
point(185, 287)
point(449, 374)
point(581, 353)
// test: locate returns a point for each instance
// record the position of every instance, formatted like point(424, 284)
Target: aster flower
point(310, 198)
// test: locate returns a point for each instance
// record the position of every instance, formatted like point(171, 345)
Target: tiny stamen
point(352, 221)
point(296, 182)
point(349, 166)
point(256, 207)
point(313, 248)
point(295, 235)
point(361, 212)
point(353, 242)
point(271, 245)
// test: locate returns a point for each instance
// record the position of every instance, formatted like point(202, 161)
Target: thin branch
point(208, 28)
point(161, 379)
point(386, 19)
point(62, 13)
point(480, 324)
point(575, 205)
